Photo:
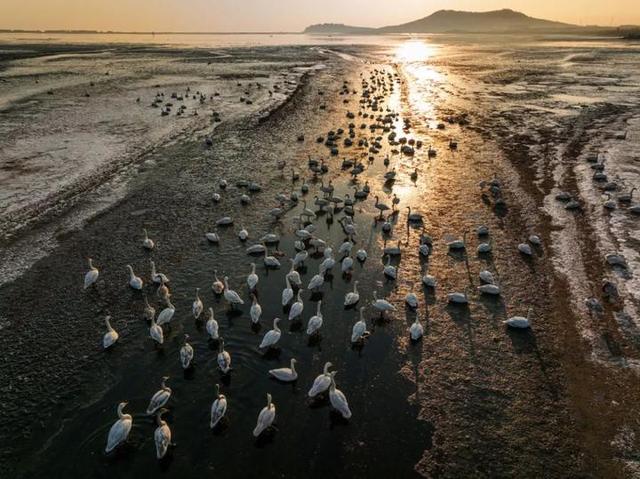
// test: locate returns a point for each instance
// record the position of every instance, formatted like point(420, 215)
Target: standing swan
point(166, 314)
point(160, 398)
point(416, 330)
point(149, 311)
point(286, 375)
point(217, 286)
point(230, 295)
point(296, 308)
point(186, 353)
point(134, 281)
point(218, 408)
point(252, 279)
point(272, 337)
point(287, 293)
point(322, 382)
point(120, 429)
point(338, 399)
point(162, 435)
point(266, 417)
point(256, 310)
point(212, 325)
point(359, 331)
point(520, 322)
point(155, 332)
point(92, 275)
point(197, 307)
point(382, 305)
point(315, 323)
point(293, 276)
point(111, 336)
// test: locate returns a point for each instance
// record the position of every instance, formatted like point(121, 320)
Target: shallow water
point(470, 398)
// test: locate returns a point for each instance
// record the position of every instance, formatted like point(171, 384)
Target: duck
point(352, 297)
point(212, 325)
point(147, 243)
point(412, 300)
point(287, 292)
point(230, 295)
point(519, 322)
point(162, 435)
point(92, 275)
point(224, 358)
point(120, 429)
point(186, 353)
point(315, 322)
point(337, 399)
point(217, 286)
point(296, 308)
point(266, 417)
point(382, 305)
point(111, 336)
point(218, 408)
point(155, 332)
point(322, 382)
point(252, 278)
point(271, 338)
point(134, 281)
point(166, 314)
point(157, 278)
point(197, 307)
point(256, 310)
point(286, 375)
point(160, 398)
point(359, 331)
point(416, 330)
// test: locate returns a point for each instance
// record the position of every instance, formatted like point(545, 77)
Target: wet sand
point(472, 399)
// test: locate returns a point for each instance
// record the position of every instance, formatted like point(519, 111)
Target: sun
point(413, 51)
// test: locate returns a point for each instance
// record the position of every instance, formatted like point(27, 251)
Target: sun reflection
point(414, 51)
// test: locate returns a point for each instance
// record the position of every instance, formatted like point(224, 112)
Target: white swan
point(491, 289)
point(271, 337)
point(252, 279)
point(212, 237)
point(519, 322)
point(321, 382)
point(352, 297)
point(359, 331)
point(134, 281)
point(149, 312)
point(393, 250)
point(243, 234)
point(328, 263)
point(458, 244)
point(271, 261)
point(381, 305)
point(361, 255)
point(162, 436)
point(337, 399)
point(380, 206)
point(347, 264)
point(111, 336)
point(120, 429)
point(266, 417)
point(287, 293)
point(429, 281)
point(166, 314)
point(416, 330)
point(413, 217)
point(197, 307)
point(156, 277)
point(300, 258)
point(163, 290)
point(345, 248)
point(155, 332)
point(486, 277)
point(212, 325)
point(525, 249)
point(293, 276)
point(217, 286)
point(256, 249)
point(256, 310)
point(224, 358)
point(316, 281)
point(218, 408)
point(160, 398)
point(230, 295)
point(225, 221)
point(315, 322)
point(482, 230)
point(186, 353)
point(424, 249)
point(535, 240)
point(484, 248)
point(458, 298)
point(147, 242)
point(92, 275)
point(412, 300)
point(286, 375)
point(390, 271)
point(296, 308)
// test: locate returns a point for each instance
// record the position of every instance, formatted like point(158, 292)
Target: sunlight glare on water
point(414, 51)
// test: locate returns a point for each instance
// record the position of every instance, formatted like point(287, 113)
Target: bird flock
point(306, 242)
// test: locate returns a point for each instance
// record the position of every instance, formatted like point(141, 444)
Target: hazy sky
point(283, 15)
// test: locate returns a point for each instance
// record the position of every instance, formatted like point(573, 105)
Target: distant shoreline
point(111, 32)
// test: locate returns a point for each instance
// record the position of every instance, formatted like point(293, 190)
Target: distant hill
point(443, 21)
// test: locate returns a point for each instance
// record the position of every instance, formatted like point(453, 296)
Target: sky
point(284, 15)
